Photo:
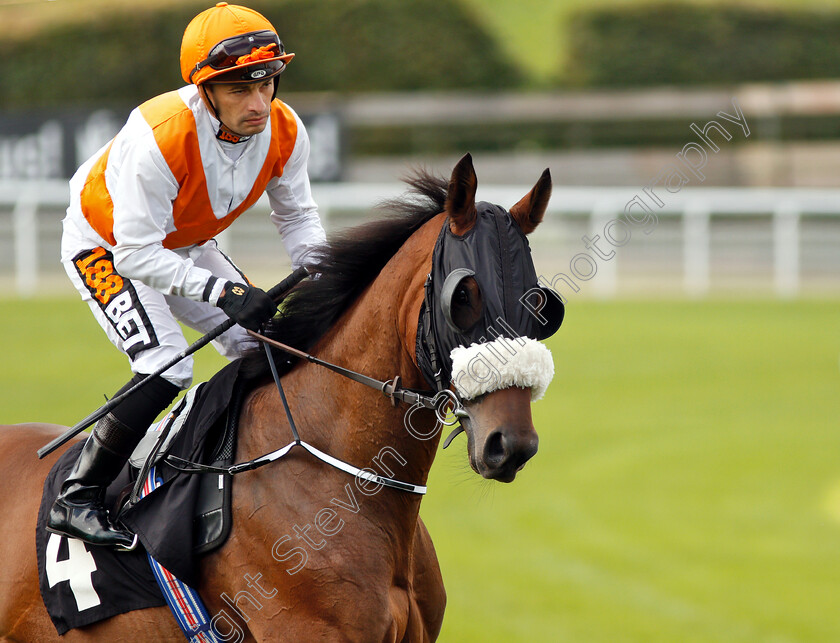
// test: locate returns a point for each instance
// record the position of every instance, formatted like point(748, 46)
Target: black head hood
point(494, 252)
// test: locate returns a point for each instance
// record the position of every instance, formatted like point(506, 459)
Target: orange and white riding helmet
point(229, 43)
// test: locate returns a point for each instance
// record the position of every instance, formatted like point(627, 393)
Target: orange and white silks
point(165, 185)
point(174, 128)
point(144, 207)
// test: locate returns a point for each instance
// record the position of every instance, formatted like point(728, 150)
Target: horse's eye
point(467, 305)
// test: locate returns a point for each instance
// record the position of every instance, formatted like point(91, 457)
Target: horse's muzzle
point(500, 433)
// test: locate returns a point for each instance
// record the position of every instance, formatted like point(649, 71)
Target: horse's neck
point(375, 336)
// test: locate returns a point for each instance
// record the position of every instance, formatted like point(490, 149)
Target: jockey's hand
point(248, 306)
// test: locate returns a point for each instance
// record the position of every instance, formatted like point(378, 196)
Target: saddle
point(211, 516)
point(202, 429)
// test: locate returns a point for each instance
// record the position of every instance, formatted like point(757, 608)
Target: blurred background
point(687, 486)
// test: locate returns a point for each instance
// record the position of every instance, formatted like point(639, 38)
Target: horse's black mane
point(347, 263)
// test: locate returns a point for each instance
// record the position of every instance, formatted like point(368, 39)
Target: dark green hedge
point(664, 133)
point(686, 44)
point(341, 45)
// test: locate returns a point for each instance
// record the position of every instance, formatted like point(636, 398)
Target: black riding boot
point(79, 510)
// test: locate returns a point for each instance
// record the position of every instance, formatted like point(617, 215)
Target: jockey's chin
point(251, 125)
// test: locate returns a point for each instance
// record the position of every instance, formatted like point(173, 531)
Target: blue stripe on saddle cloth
point(184, 601)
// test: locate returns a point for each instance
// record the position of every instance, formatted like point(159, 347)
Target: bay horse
point(369, 571)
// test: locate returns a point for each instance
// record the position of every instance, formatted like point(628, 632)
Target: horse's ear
point(529, 211)
point(460, 197)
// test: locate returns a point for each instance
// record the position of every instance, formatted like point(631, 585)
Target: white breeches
point(143, 322)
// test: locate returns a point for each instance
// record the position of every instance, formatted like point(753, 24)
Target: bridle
point(391, 388)
point(496, 227)
point(432, 336)
point(442, 402)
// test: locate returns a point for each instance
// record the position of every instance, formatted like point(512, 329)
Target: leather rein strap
point(391, 389)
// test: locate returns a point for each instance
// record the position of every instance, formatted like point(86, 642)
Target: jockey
point(138, 240)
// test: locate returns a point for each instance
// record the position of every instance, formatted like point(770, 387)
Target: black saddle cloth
point(82, 584)
point(123, 581)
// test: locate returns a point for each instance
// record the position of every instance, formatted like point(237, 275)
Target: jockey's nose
point(258, 103)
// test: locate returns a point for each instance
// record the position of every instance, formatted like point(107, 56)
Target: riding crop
point(275, 293)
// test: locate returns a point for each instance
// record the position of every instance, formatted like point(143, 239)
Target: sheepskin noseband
point(502, 363)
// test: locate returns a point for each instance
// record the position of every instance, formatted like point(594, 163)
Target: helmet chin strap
point(213, 109)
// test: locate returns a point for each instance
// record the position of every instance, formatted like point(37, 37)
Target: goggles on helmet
point(227, 53)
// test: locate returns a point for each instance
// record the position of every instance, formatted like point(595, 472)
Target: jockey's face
point(244, 108)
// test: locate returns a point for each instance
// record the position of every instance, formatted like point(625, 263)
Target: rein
point(391, 389)
point(439, 402)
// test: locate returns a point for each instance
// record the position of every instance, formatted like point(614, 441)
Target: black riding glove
point(248, 306)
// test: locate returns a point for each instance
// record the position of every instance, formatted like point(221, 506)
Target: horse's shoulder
point(428, 596)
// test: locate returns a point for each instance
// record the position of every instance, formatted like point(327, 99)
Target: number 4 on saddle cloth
point(178, 518)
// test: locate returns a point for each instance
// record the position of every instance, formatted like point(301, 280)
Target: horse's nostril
point(494, 450)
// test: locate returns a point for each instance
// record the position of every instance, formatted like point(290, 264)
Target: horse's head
point(481, 320)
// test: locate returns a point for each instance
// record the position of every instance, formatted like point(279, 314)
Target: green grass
point(687, 486)
point(688, 454)
point(58, 365)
